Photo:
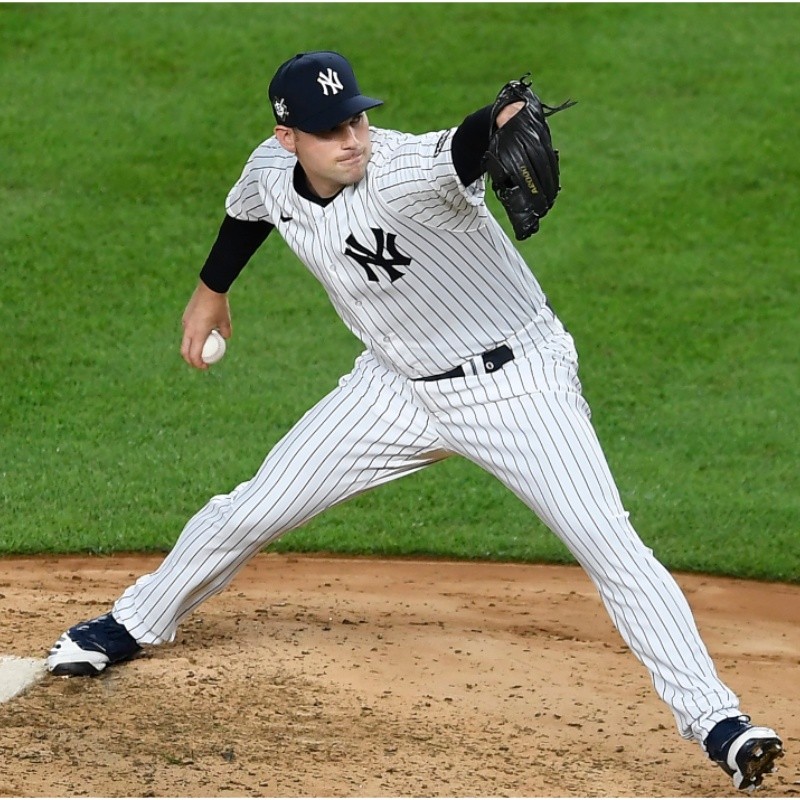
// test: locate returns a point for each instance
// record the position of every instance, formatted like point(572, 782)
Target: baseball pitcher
point(462, 356)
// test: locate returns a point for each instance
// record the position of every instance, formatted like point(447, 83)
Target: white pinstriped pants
point(528, 425)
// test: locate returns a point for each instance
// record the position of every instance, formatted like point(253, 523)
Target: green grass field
point(672, 256)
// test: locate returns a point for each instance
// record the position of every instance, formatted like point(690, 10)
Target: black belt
point(493, 360)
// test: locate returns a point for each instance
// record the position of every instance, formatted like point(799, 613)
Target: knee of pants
point(252, 514)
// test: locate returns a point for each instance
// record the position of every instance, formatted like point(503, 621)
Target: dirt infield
point(327, 677)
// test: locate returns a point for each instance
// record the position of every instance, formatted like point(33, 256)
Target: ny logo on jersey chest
point(386, 255)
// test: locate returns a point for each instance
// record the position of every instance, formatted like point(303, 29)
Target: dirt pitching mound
point(334, 677)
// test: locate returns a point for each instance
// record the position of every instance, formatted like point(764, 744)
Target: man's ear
point(286, 138)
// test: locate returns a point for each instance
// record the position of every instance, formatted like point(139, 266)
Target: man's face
point(332, 159)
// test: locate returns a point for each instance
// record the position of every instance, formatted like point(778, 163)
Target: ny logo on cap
point(329, 81)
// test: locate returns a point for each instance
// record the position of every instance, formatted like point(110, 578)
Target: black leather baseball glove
point(521, 160)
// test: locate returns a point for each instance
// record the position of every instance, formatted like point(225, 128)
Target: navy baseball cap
point(316, 91)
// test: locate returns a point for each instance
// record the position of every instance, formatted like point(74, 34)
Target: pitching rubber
point(18, 674)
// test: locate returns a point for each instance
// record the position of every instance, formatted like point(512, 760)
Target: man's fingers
point(505, 114)
point(192, 350)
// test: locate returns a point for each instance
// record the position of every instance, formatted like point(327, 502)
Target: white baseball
point(214, 348)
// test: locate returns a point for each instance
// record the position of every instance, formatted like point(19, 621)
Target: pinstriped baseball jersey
point(413, 262)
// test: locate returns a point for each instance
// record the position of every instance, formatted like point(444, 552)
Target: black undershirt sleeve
point(470, 142)
point(236, 243)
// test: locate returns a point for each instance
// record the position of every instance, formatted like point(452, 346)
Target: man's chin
point(353, 175)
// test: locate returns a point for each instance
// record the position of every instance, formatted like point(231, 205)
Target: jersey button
point(359, 303)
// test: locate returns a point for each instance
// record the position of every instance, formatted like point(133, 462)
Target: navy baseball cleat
point(746, 752)
point(89, 647)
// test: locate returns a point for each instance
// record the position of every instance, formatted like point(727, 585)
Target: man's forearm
point(235, 245)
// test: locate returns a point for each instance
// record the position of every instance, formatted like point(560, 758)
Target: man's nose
point(350, 137)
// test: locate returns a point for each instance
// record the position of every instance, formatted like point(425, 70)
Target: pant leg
point(363, 434)
point(529, 426)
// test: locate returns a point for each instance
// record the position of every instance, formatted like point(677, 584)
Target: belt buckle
point(494, 360)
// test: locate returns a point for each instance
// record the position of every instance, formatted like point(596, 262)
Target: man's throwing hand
point(207, 310)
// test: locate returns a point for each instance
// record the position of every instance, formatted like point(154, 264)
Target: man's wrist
point(469, 144)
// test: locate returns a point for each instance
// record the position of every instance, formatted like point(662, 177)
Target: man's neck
point(304, 187)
